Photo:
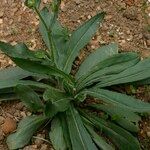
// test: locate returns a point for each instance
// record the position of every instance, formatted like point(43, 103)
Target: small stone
point(23, 114)
point(130, 38)
point(121, 4)
point(44, 1)
point(28, 113)
point(78, 2)
point(9, 125)
point(1, 135)
point(108, 17)
point(1, 120)
point(62, 6)
point(19, 106)
point(30, 147)
point(1, 13)
point(44, 147)
point(131, 14)
point(146, 36)
point(148, 134)
point(89, 17)
point(39, 141)
point(1, 21)
point(148, 43)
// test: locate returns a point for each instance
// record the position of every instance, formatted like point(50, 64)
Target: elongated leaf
point(102, 144)
point(138, 72)
point(63, 119)
point(120, 100)
point(56, 135)
point(143, 82)
point(96, 57)
point(18, 51)
point(13, 73)
point(33, 84)
point(80, 38)
point(26, 128)
point(57, 101)
point(122, 138)
point(10, 76)
point(4, 85)
point(30, 98)
point(109, 67)
point(38, 68)
point(124, 117)
point(47, 18)
point(8, 97)
point(59, 36)
point(8, 84)
point(80, 138)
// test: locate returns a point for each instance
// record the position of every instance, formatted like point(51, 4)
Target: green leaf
point(138, 72)
point(30, 98)
point(80, 138)
point(63, 119)
point(80, 38)
point(38, 68)
point(13, 73)
point(143, 82)
point(33, 84)
point(56, 135)
point(59, 36)
point(38, 2)
point(4, 85)
point(121, 100)
point(124, 117)
point(107, 68)
point(8, 97)
point(101, 143)
point(58, 101)
point(47, 18)
point(96, 57)
point(9, 77)
point(26, 128)
point(8, 83)
point(123, 139)
point(18, 51)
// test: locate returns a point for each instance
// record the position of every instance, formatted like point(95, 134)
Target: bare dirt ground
point(127, 22)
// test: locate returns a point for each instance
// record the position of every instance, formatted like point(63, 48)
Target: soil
point(127, 22)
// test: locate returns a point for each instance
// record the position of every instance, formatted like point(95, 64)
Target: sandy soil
point(127, 22)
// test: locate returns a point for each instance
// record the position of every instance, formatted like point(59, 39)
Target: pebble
point(44, 1)
point(131, 14)
point(23, 114)
point(89, 16)
point(1, 13)
point(148, 43)
point(1, 21)
point(30, 147)
point(38, 141)
point(62, 6)
point(19, 106)
point(121, 4)
point(1, 120)
point(44, 147)
point(1, 135)
point(78, 2)
point(148, 134)
point(9, 125)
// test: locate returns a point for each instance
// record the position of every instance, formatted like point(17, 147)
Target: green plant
point(43, 82)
